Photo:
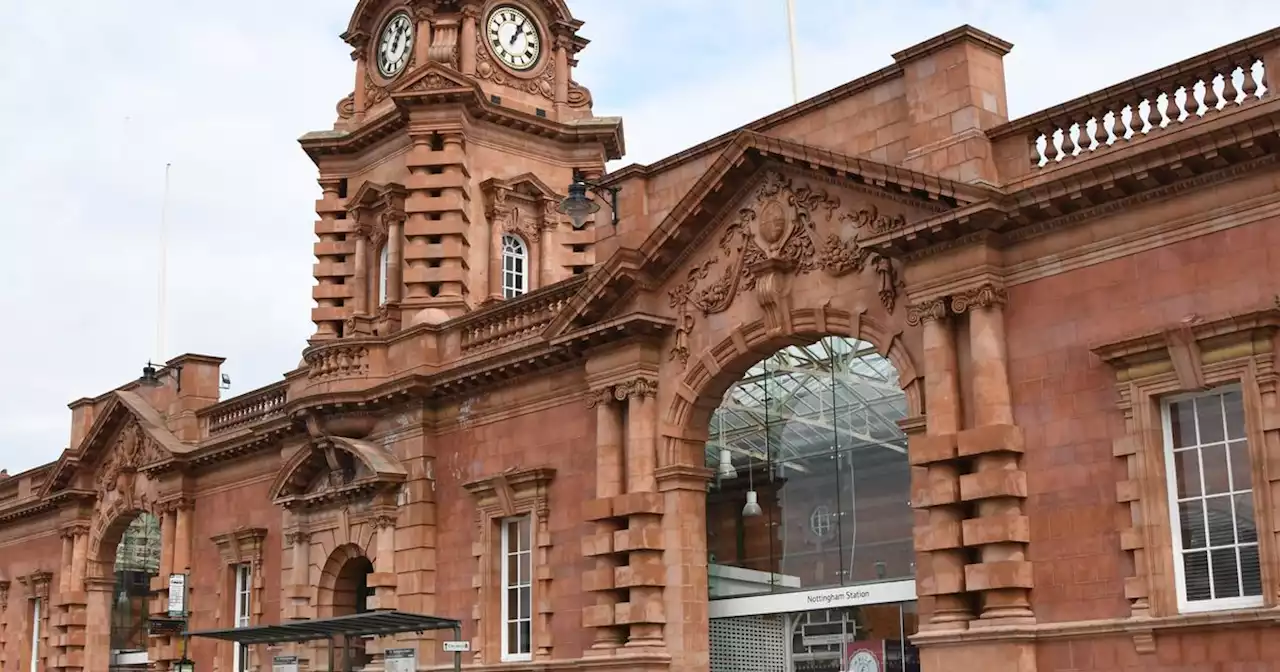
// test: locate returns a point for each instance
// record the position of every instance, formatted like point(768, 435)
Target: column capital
point(928, 310)
point(640, 386)
point(986, 295)
point(295, 537)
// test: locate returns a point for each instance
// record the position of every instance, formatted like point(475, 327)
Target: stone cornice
point(1183, 346)
point(435, 84)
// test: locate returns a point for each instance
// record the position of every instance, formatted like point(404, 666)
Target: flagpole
point(163, 281)
point(791, 40)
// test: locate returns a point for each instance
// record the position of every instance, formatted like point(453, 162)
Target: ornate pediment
point(787, 225)
point(800, 208)
point(332, 470)
point(128, 436)
point(523, 205)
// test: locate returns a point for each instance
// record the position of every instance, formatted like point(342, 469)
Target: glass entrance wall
point(867, 638)
point(811, 431)
point(137, 561)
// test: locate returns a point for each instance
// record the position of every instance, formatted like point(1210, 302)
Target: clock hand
point(515, 35)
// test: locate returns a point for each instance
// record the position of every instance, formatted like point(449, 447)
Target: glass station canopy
point(803, 401)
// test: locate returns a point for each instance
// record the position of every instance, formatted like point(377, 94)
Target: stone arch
point(709, 375)
point(336, 590)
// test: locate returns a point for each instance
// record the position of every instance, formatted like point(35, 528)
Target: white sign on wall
point(177, 595)
point(809, 600)
point(284, 664)
point(401, 660)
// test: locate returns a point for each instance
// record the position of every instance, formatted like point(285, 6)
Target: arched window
point(515, 267)
point(383, 260)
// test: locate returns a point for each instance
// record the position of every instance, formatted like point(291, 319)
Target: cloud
point(104, 94)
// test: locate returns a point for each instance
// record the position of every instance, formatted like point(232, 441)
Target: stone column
point(936, 473)
point(97, 641)
point(497, 213)
point(562, 45)
point(182, 537)
point(383, 579)
point(610, 477)
point(683, 488)
point(644, 574)
point(998, 485)
point(395, 257)
point(70, 605)
point(467, 41)
point(358, 98)
point(360, 294)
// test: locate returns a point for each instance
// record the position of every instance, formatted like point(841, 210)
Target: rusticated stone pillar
point(644, 574)
point(71, 601)
point(5, 585)
point(610, 477)
point(999, 531)
point(937, 471)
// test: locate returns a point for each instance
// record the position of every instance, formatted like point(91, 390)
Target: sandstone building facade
point(883, 381)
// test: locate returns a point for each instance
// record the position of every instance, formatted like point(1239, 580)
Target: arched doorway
point(809, 519)
point(137, 561)
point(344, 590)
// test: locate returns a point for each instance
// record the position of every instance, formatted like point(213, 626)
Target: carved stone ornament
point(373, 94)
point(522, 224)
point(4, 595)
point(636, 387)
point(933, 309)
point(131, 449)
point(984, 296)
point(347, 107)
point(297, 537)
point(772, 240)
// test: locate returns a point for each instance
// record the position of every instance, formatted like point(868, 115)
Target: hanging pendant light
point(752, 508)
point(726, 469)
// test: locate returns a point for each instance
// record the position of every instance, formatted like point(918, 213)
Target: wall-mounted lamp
point(578, 207)
point(154, 377)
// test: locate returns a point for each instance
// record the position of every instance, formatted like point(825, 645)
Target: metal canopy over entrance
point(376, 623)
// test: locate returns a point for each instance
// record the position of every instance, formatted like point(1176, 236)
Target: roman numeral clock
point(513, 36)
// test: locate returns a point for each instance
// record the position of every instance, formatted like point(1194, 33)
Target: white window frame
point(35, 634)
point(1175, 525)
point(515, 266)
point(242, 607)
point(513, 651)
point(384, 261)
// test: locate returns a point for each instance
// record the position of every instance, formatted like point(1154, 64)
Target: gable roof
point(698, 212)
point(121, 407)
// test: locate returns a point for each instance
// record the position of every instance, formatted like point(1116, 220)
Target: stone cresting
point(772, 240)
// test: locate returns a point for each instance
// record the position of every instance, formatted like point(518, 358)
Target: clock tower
point(443, 169)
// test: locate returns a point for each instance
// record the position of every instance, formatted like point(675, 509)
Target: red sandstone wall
point(237, 499)
point(558, 435)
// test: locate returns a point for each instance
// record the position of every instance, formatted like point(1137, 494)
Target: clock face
point(394, 45)
point(513, 37)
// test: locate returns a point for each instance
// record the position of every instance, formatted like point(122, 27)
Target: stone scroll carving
point(787, 230)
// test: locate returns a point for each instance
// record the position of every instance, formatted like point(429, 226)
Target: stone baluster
point(1000, 530)
point(937, 471)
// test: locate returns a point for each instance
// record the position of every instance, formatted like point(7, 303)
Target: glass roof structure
point(808, 400)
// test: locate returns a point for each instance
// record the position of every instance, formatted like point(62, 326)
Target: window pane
point(1183, 423)
point(523, 525)
point(1226, 573)
point(526, 602)
point(526, 570)
point(513, 569)
point(1234, 406)
point(1250, 570)
point(513, 637)
point(513, 603)
point(1221, 526)
point(1209, 419)
point(1246, 529)
point(1241, 474)
point(1186, 467)
point(526, 639)
point(1213, 459)
point(1192, 516)
point(1196, 570)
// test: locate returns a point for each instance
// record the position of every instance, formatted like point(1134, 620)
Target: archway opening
point(137, 561)
point(809, 519)
point(351, 593)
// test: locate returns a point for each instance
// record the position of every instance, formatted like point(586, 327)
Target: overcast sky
point(103, 93)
